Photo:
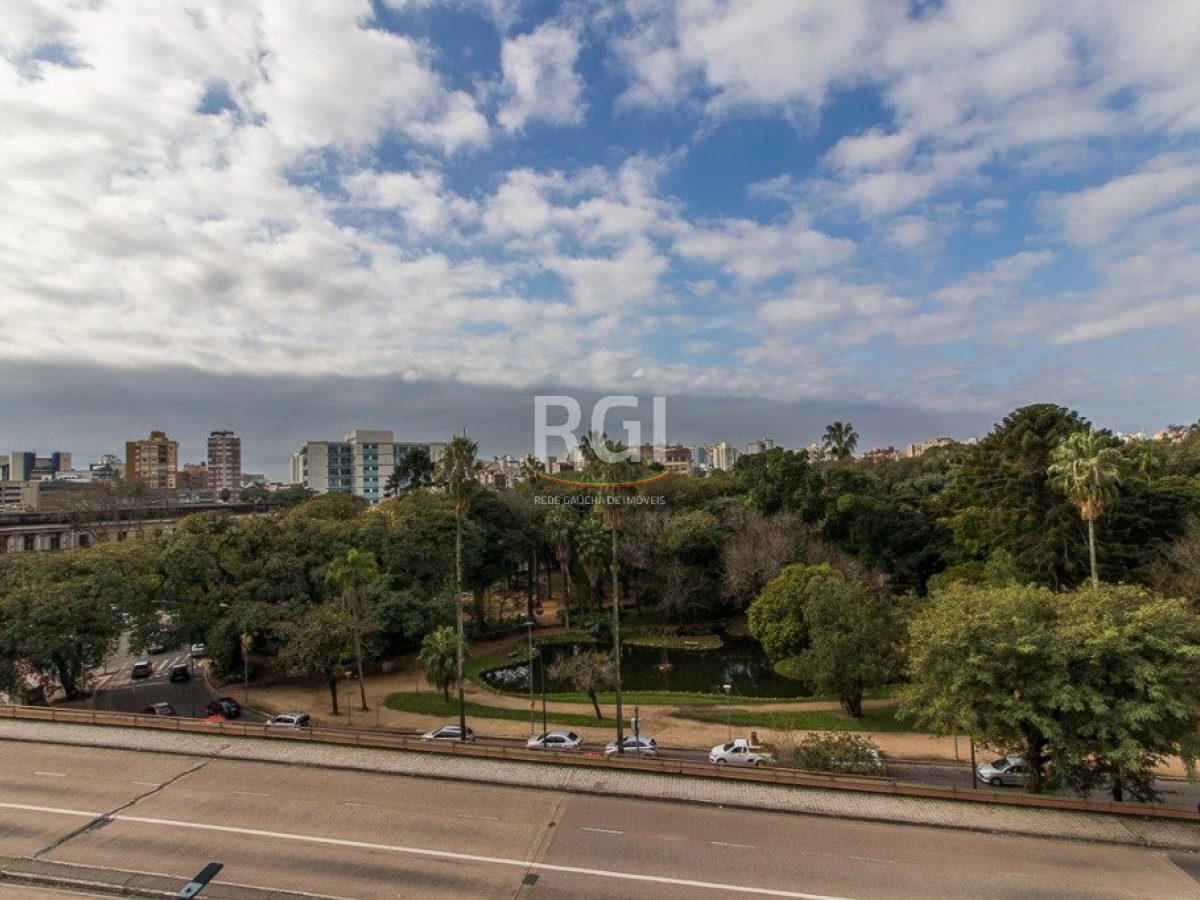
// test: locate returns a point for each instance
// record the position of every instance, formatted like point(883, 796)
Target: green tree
point(457, 473)
point(592, 548)
point(439, 658)
point(414, 470)
point(1086, 469)
point(778, 480)
point(1001, 498)
point(1146, 458)
point(853, 641)
point(560, 531)
point(840, 440)
point(776, 617)
point(321, 642)
point(989, 662)
point(348, 578)
point(586, 671)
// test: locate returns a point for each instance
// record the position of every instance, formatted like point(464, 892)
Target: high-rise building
point(359, 465)
point(932, 443)
point(225, 462)
point(26, 465)
point(722, 456)
point(762, 445)
point(154, 462)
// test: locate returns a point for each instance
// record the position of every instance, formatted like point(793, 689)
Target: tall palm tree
point(1087, 469)
point(609, 467)
point(592, 549)
point(349, 576)
point(560, 530)
point(457, 472)
point(1145, 457)
point(840, 440)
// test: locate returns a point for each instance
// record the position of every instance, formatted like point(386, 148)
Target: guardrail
point(760, 774)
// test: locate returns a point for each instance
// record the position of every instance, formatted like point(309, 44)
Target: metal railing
point(759, 774)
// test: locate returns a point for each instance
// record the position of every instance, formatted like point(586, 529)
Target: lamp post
point(728, 709)
point(462, 703)
point(532, 720)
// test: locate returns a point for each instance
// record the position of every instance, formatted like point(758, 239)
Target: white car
point(642, 746)
point(555, 740)
point(738, 753)
point(198, 650)
point(448, 733)
point(291, 720)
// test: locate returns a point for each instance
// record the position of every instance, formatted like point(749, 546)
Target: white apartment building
point(722, 456)
point(359, 465)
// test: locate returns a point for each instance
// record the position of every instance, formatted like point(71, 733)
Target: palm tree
point(439, 658)
point(592, 550)
point(457, 473)
point(349, 576)
point(532, 467)
point(610, 468)
point(840, 440)
point(560, 528)
point(1145, 457)
point(1087, 469)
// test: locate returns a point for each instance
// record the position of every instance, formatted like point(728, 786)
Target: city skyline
point(875, 212)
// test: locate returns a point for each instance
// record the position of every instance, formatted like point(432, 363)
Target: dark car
point(180, 673)
point(224, 706)
point(159, 709)
point(142, 669)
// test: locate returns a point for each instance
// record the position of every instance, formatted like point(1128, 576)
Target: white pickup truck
point(738, 753)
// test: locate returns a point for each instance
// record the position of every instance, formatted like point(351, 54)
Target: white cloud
point(540, 81)
point(752, 252)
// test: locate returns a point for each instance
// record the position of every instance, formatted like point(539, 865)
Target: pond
point(740, 663)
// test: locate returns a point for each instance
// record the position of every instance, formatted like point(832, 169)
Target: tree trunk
point(852, 703)
point(462, 705)
point(566, 593)
point(529, 585)
point(616, 601)
point(332, 679)
point(595, 703)
point(1034, 746)
point(1092, 550)
point(1118, 787)
point(362, 687)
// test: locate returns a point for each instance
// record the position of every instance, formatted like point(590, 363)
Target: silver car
point(1010, 771)
point(555, 740)
point(448, 733)
point(642, 746)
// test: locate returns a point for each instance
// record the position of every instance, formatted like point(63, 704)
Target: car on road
point(738, 753)
point(143, 668)
point(1010, 771)
point(156, 648)
point(448, 733)
point(199, 650)
point(555, 740)
point(291, 720)
point(159, 709)
point(640, 746)
point(226, 707)
point(180, 673)
point(868, 763)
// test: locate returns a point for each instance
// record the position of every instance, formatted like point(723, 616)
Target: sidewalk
point(1169, 835)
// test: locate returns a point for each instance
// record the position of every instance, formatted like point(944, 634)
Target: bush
point(838, 751)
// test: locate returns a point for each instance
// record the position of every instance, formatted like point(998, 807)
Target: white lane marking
point(252, 793)
point(469, 816)
point(729, 844)
point(871, 859)
point(148, 783)
point(433, 854)
point(600, 830)
point(52, 774)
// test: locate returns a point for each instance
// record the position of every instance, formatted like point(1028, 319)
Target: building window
point(84, 540)
point(28, 542)
point(56, 541)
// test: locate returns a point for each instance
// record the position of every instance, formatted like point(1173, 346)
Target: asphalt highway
point(353, 834)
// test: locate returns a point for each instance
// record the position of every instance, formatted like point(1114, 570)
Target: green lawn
point(821, 720)
point(434, 705)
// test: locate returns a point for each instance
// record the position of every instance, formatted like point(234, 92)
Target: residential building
point(882, 453)
point(675, 458)
point(762, 445)
point(154, 461)
point(722, 456)
point(359, 465)
point(108, 467)
point(928, 444)
point(225, 463)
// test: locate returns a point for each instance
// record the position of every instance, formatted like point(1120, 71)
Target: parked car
point(143, 668)
point(870, 763)
point(1010, 771)
point(641, 746)
point(180, 673)
point(199, 650)
point(226, 707)
point(738, 753)
point(156, 648)
point(555, 740)
point(159, 709)
point(448, 733)
point(291, 720)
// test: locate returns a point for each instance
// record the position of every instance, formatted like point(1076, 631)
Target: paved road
point(117, 692)
point(354, 834)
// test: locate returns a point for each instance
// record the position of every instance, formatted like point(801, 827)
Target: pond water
point(740, 663)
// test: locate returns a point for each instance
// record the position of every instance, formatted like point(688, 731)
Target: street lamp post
point(462, 703)
point(728, 708)
point(532, 720)
point(192, 676)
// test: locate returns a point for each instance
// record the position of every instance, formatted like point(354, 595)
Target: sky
point(296, 219)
